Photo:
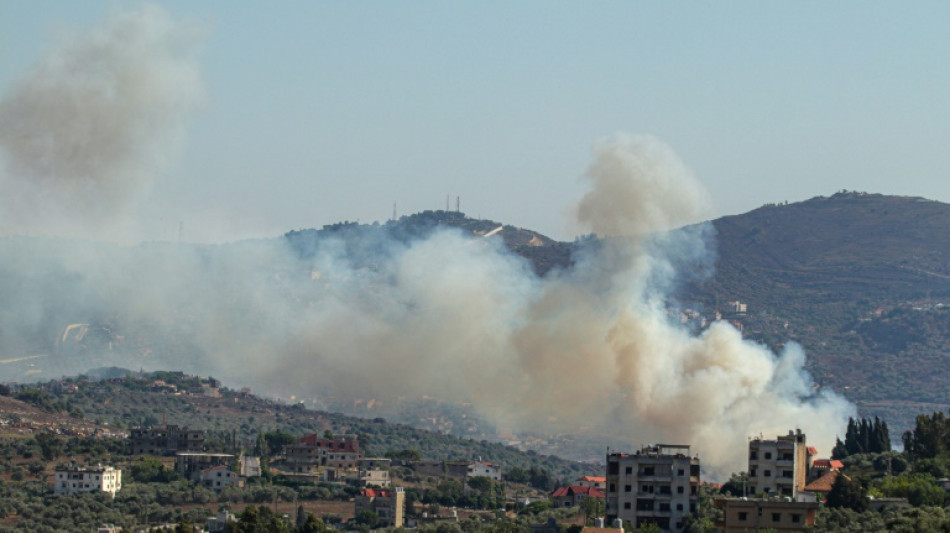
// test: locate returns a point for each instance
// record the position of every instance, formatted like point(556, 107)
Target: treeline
point(863, 436)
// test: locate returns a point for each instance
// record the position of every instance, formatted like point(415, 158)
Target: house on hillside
point(165, 440)
point(592, 481)
point(73, 480)
point(480, 469)
point(311, 452)
point(388, 505)
point(187, 464)
point(819, 488)
point(571, 495)
point(217, 477)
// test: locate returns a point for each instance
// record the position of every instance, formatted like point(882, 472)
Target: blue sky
point(322, 111)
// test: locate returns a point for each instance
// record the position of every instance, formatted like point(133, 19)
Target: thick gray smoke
point(591, 349)
point(83, 134)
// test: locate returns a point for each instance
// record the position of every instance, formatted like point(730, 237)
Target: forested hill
point(862, 281)
point(134, 399)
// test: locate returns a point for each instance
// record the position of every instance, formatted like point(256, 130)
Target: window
point(626, 488)
point(613, 488)
point(796, 518)
point(776, 517)
point(752, 472)
point(626, 505)
point(768, 455)
point(753, 455)
point(629, 470)
point(743, 516)
point(664, 507)
point(679, 490)
point(679, 507)
point(681, 472)
point(767, 473)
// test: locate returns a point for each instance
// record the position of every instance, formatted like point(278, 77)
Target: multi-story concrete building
point(657, 485)
point(166, 440)
point(389, 505)
point(72, 480)
point(309, 453)
point(754, 514)
point(187, 464)
point(778, 467)
point(375, 478)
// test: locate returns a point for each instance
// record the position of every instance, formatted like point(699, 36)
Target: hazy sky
point(316, 112)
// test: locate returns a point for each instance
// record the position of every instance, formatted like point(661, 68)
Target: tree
point(592, 508)
point(50, 445)
point(260, 520)
point(314, 525)
point(367, 518)
point(847, 494)
point(276, 440)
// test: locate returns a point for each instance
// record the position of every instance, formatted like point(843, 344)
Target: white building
point(72, 480)
point(217, 477)
point(484, 470)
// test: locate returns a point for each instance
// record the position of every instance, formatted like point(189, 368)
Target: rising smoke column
point(600, 343)
point(83, 135)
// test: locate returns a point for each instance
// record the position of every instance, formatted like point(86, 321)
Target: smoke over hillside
point(84, 134)
point(443, 314)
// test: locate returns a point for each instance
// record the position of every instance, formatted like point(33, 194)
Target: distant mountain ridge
point(861, 280)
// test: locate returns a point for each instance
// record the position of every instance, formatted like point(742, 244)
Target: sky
point(310, 113)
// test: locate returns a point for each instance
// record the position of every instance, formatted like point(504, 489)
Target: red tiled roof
point(812, 450)
point(825, 482)
point(374, 493)
point(831, 464)
point(594, 479)
point(572, 490)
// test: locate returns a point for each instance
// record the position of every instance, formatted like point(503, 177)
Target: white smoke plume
point(590, 349)
point(85, 133)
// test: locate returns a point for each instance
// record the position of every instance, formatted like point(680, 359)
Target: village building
point(480, 469)
point(656, 485)
point(572, 495)
point(188, 463)
point(448, 469)
point(217, 477)
point(165, 440)
point(73, 480)
point(778, 467)
point(388, 505)
point(758, 514)
point(311, 453)
point(592, 481)
point(374, 478)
